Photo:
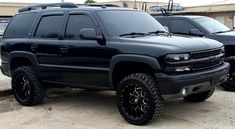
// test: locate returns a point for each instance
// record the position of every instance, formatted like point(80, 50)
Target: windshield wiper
point(133, 34)
point(158, 32)
point(221, 31)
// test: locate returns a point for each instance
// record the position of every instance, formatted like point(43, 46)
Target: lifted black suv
point(108, 48)
point(205, 27)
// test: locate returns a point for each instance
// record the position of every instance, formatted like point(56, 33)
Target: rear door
point(45, 44)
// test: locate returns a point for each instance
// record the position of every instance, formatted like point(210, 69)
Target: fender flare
point(148, 60)
point(22, 54)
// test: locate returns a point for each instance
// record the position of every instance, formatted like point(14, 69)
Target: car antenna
point(168, 11)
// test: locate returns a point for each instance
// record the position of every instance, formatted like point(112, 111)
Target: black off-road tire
point(154, 102)
point(200, 97)
point(35, 91)
point(229, 85)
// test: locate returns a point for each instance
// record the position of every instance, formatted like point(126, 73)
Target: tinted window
point(49, 27)
point(20, 25)
point(123, 22)
point(76, 23)
point(211, 25)
point(181, 27)
point(164, 22)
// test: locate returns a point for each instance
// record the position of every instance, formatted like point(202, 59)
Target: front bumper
point(171, 86)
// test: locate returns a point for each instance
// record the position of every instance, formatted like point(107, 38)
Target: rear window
point(20, 26)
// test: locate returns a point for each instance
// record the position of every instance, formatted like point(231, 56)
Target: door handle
point(34, 47)
point(64, 49)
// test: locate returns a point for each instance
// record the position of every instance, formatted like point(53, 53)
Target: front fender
point(150, 61)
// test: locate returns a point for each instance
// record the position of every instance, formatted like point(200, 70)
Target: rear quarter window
point(164, 22)
point(50, 26)
point(20, 25)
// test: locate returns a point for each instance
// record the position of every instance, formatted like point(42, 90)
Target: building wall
point(10, 9)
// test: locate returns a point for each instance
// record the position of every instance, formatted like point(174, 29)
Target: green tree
point(89, 1)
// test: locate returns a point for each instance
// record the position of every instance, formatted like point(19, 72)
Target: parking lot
point(82, 109)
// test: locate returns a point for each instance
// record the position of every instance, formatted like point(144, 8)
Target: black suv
point(108, 48)
point(205, 27)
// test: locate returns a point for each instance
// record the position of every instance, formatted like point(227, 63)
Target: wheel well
point(123, 69)
point(19, 61)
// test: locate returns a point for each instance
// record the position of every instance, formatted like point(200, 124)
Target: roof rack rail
point(45, 6)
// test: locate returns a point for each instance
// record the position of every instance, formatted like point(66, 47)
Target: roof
point(183, 16)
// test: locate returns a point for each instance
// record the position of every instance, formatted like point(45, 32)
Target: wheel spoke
point(231, 79)
point(143, 108)
point(23, 86)
point(134, 100)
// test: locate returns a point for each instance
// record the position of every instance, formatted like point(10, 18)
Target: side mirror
point(166, 28)
point(91, 34)
point(196, 32)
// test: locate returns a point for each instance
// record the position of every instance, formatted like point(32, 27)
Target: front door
point(84, 61)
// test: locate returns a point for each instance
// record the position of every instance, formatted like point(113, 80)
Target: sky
point(183, 2)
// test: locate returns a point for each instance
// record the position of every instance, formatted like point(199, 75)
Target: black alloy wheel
point(138, 99)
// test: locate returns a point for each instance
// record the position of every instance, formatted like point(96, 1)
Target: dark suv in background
point(202, 26)
point(107, 48)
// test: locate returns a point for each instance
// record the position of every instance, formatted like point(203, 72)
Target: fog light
point(178, 69)
point(181, 69)
point(184, 92)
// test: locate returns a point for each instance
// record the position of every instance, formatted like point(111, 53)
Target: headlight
point(177, 57)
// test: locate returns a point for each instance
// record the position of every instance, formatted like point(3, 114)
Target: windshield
point(212, 25)
point(119, 23)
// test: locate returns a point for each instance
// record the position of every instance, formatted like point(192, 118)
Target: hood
point(227, 38)
point(230, 33)
point(174, 44)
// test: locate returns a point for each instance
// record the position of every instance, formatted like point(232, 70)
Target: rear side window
point(76, 23)
point(164, 22)
point(49, 27)
point(181, 27)
point(20, 25)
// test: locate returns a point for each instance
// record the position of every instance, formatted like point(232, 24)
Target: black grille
point(205, 54)
point(207, 64)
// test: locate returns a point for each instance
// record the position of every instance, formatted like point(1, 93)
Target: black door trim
point(74, 67)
